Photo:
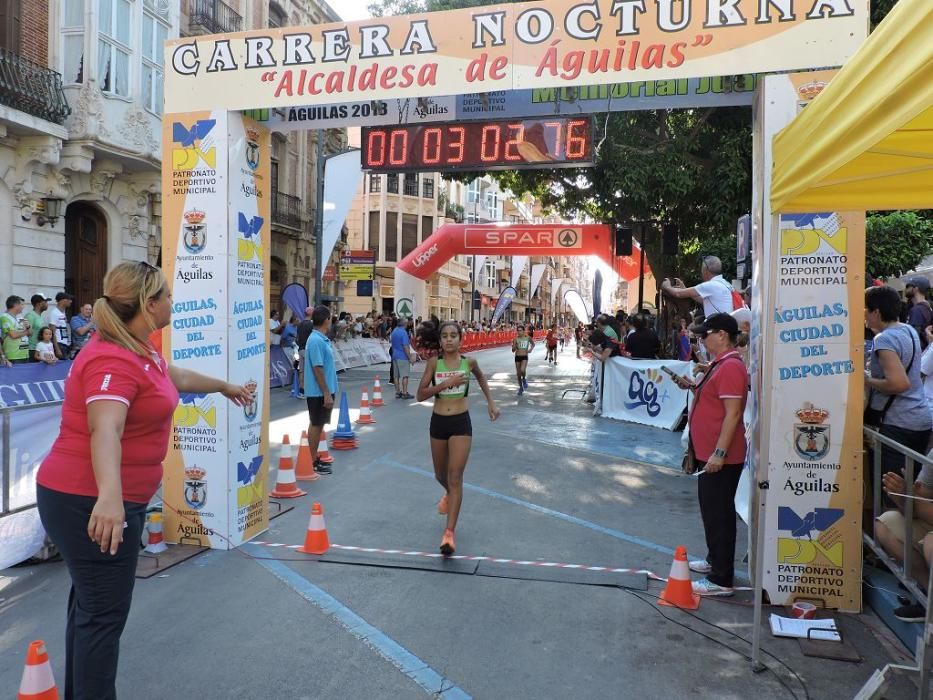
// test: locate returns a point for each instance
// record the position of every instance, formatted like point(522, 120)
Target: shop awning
point(866, 142)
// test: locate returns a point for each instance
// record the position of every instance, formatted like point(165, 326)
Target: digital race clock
point(516, 144)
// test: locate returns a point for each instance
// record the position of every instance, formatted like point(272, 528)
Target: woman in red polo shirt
point(717, 438)
point(106, 464)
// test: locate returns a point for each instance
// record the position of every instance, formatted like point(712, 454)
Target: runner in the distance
point(446, 378)
point(522, 345)
point(550, 343)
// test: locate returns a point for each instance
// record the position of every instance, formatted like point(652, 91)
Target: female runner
point(522, 345)
point(446, 378)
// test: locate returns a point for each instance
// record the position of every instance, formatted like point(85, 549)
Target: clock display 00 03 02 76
point(484, 145)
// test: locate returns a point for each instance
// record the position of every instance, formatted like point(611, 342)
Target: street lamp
point(51, 211)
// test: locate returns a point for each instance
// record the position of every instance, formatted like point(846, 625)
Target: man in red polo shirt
point(717, 437)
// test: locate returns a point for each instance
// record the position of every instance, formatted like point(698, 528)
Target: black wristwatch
point(719, 452)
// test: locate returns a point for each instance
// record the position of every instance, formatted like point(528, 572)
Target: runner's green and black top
point(444, 427)
point(522, 346)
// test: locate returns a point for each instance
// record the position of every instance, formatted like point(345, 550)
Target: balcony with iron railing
point(286, 210)
point(31, 88)
point(212, 17)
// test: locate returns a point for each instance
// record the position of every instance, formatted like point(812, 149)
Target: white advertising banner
point(249, 214)
point(216, 247)
point(640, 392)
point(343, 175)
point(518, 267)
point(360, 352)
point(814, 388)
point(537, 272)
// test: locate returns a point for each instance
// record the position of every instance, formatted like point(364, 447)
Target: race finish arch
point(506, 239)
point(216, 211)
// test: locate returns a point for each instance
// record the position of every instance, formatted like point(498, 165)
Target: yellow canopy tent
point(866, 142)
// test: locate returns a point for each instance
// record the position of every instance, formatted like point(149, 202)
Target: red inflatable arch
point(518, 239)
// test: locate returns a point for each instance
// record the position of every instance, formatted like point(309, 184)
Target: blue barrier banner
point(34, 382)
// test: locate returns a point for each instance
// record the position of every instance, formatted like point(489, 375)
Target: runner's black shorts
point(319, 415)
point(521, 358)
point(446, 427)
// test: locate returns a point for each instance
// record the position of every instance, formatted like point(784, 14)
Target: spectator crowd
point(49, 331)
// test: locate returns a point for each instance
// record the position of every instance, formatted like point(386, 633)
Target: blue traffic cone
point(344, 438)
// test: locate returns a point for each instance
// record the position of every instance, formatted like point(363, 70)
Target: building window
point(154, 34)
point(11, 26)
point(374, 233)
point(73, 42)
point(391, 236)
point(409, 233)
point(490, 270)
point(113, 52)
point(428, 187)
point(411, 185)
point(375, 183)
point(392, 183)
point(277, 16)
point(473, 192)
point(427, 226)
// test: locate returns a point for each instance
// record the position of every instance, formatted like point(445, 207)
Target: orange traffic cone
point(322, 452)
point(304, 467)
point(366, 416)
point(377, 394)
point(316, 541)
point(37, 683)
point(285, 486)
point(156, 543)
point(678, 593)
point(285, 451)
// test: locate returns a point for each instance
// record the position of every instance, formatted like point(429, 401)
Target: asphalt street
point(548, 482)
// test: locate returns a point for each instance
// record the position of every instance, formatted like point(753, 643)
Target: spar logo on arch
point(494, 238)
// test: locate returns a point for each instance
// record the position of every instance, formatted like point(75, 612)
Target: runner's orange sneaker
point(448, 546)
point(442, 505)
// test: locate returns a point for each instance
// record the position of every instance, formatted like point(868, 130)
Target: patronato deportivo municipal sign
point(520, 46)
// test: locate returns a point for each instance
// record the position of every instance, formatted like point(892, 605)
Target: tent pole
point(757, 666)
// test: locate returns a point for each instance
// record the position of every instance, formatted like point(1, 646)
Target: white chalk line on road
point(466, 557)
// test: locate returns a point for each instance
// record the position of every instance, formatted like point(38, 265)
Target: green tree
point(896, 242)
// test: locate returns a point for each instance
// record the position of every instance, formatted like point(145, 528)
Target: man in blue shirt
point(320, 381)
point(82, 326)
point(401, 358)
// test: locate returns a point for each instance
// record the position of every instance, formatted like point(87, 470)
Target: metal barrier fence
point(923, 656)
point(26, 435)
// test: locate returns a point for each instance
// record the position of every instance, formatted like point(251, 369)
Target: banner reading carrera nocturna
point(519, 46)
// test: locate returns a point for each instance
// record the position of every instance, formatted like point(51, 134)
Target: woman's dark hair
point(597, 337)
point(638, 322)
point(884, 300)
point(429, 332)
